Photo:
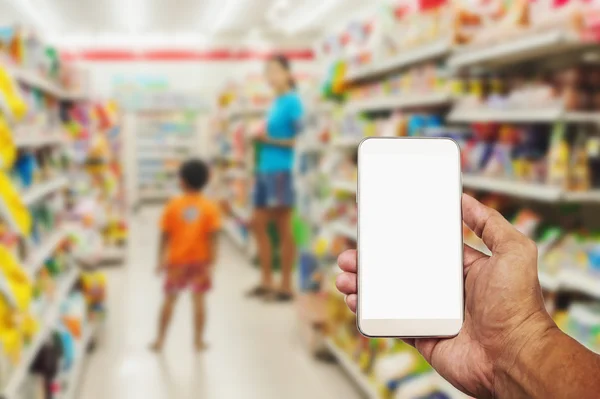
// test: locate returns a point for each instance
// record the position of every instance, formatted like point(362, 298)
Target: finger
point(471, 256)
point(351, 301)
point(346, 283)
point(409, 341)
point(347, 261)
point(489, 225)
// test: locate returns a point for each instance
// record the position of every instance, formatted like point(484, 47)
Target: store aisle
point(255, 350)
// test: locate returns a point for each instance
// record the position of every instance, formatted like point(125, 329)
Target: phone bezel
point(409, 328)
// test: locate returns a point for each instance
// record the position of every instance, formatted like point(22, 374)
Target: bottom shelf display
point(382, 368)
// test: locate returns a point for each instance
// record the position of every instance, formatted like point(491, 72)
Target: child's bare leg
point(164, 321)
point(199, 321)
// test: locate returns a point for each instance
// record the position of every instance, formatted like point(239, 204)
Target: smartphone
point(410, 266)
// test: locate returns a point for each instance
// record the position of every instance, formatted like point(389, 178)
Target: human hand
point(504, 308)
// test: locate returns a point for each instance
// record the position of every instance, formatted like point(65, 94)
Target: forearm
point(550, 366)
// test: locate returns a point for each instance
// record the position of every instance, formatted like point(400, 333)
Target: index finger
point(489, 225)
point(347, 261)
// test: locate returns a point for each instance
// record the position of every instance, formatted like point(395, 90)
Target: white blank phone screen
point(410, 231)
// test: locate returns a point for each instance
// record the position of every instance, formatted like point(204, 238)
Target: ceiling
point(88, 23)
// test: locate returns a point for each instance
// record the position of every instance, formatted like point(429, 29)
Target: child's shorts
point(196, 276)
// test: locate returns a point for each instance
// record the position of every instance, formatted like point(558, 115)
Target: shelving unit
point(241, 213)
point(571, 280)
point(345, 230)
point(234, 234)
point(161, 141)
point(403, 59)
point(525, 46)
point(74, 376)
point(33, 79)
point(399, 101)
point(539, 192)
point(45, 250)
point(49, 321)
point(353, 370)
point(513, 115)
point(38, 139)
point(43, 134)
point(344, 185)
point(246, 111)
point(40, 190)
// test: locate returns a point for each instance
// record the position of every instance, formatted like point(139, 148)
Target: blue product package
point(307, 266)
point(25, 167)
point(68, 344)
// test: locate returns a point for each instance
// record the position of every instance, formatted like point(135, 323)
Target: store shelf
point(520, 48)
point(353, 370)
point(113, 254)
point(237, 173)
point(40, 190)
point(405, 58)
point(312, 146)
point(345, 229)
point(571, 279)
point(230, 227)
point(344, 185)
point(33, 79)
point(156, 193)
point(241, 213)
point(250, 110)
point(346, 142)
point(583, 117)
point(540, 192)
point(528, 115)
point(399, 101)
point(534, 191)
point(48, 323)
point(45, 250)
point(74, 377)
point(36, 140)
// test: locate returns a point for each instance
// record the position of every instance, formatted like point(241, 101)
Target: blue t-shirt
point(283, 122)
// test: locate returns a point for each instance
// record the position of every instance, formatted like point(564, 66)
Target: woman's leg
point(283, 221)
point(260, 226)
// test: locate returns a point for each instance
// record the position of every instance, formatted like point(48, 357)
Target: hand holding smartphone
point(410, 265)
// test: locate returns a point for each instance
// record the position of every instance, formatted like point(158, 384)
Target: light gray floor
point(255, 351)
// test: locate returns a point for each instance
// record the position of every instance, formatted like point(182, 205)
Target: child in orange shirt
point(190, 224)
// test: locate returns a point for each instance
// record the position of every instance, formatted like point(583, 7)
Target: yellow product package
point(17, 211)
point(8, 150)
point(12, 97)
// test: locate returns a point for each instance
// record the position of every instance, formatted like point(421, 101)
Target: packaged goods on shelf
point(38, 65)
point(582, 322)
point(163, 141)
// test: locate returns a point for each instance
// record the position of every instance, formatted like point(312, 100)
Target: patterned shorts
point(179, 277)
point(274, 190)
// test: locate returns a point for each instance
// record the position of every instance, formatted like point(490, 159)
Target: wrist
point(518, 370)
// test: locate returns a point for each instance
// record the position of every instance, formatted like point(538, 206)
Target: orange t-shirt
point(189, 220)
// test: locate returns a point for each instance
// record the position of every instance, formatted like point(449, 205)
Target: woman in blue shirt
point(274, 187)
